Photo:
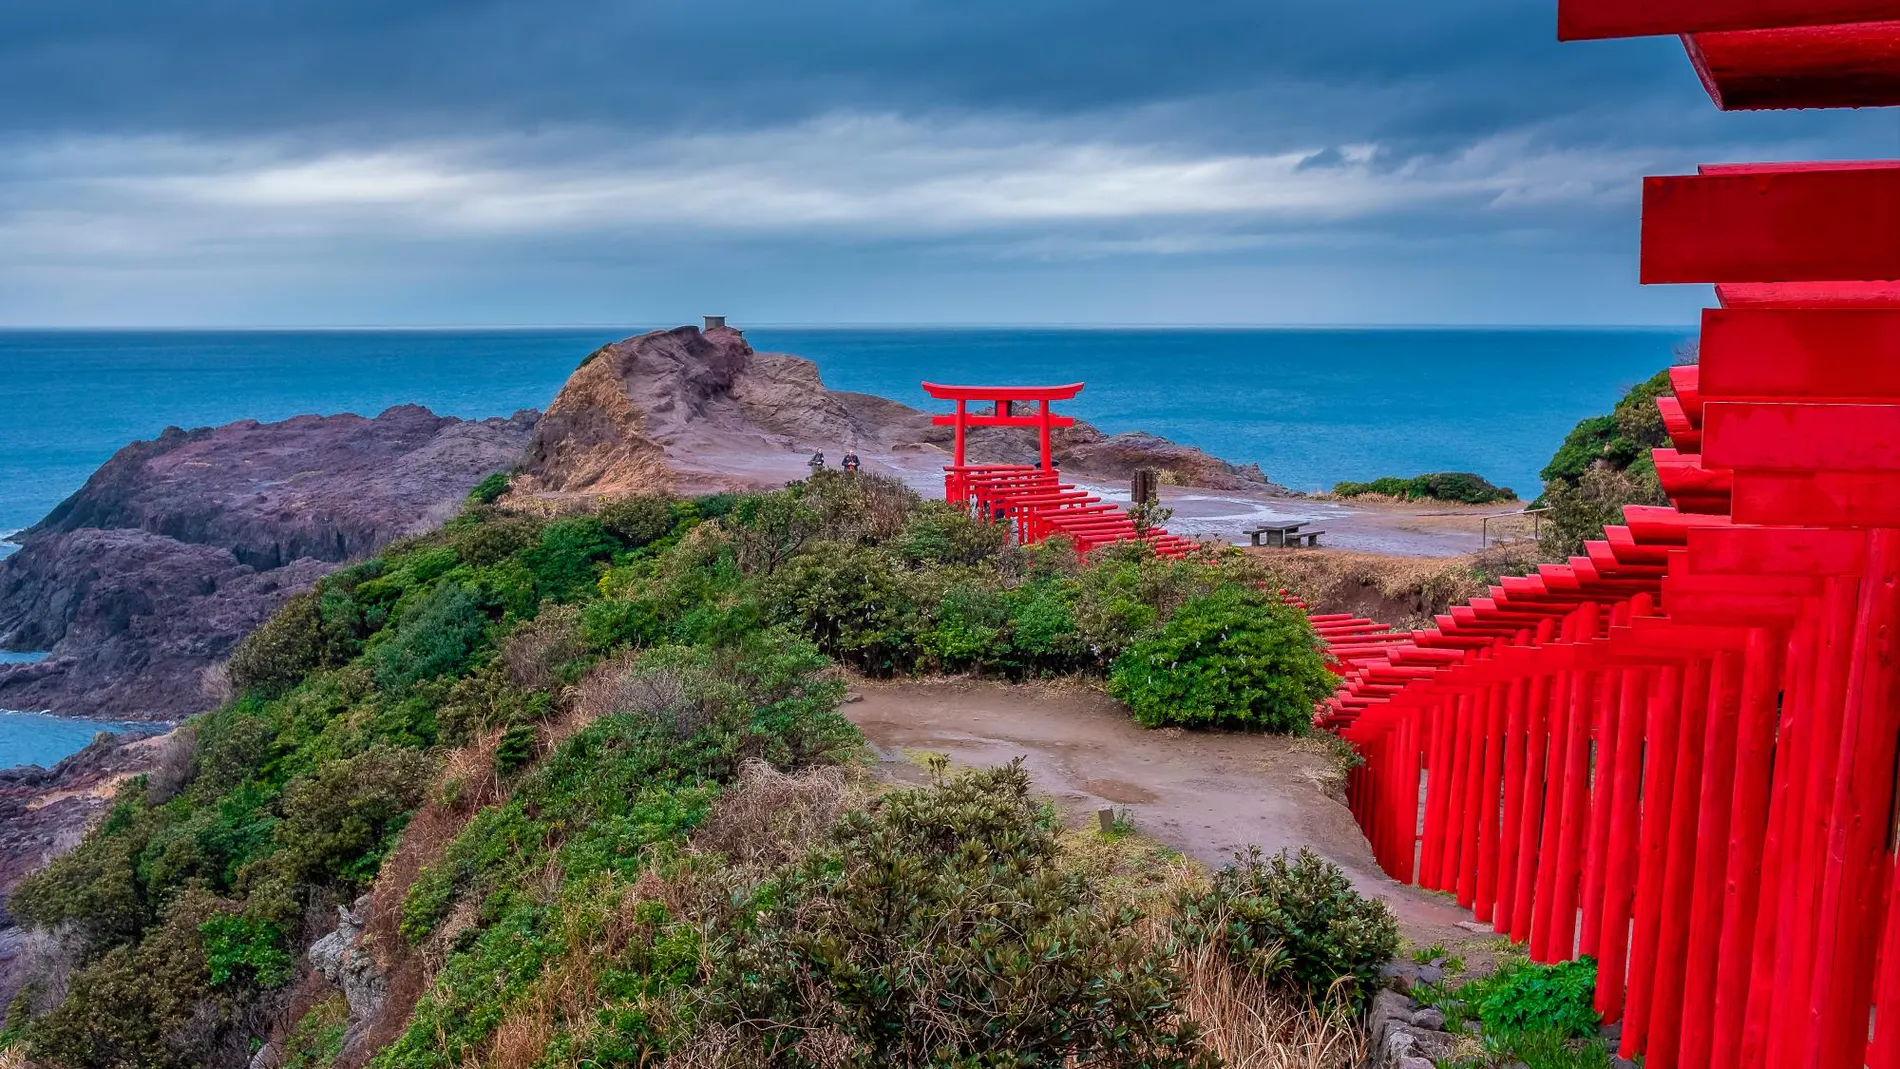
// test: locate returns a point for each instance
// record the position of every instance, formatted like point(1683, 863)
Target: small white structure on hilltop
point(715, 322)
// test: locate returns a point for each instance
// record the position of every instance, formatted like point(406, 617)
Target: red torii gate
point(1004, 398)
point(1031, 496)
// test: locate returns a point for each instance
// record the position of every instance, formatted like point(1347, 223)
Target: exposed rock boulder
point(341, 958)
point(1396, 1038)
point(177, 547)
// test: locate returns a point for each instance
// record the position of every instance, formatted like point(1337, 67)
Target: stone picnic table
point(1283, 535)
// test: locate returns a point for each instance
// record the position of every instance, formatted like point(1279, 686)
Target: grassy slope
point(517, 722)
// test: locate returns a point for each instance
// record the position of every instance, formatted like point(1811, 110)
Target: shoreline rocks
point(177, 547)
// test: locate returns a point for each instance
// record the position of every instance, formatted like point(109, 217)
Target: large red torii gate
point(1029, 496)
point(1004, 398)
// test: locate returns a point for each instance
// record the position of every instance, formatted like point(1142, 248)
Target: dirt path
point(1207, 794)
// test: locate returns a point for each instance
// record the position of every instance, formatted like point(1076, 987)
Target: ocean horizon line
point(1688, 328)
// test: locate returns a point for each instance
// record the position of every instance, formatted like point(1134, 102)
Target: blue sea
point(1311, 407)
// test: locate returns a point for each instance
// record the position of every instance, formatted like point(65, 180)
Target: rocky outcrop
point(686, 411)
point(43, 813)
point(177, 547)
point(341, 958)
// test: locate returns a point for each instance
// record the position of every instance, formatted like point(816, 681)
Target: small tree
point(1233, 658)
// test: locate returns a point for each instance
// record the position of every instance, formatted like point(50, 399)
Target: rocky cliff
point(177, 547)
point(686, 411)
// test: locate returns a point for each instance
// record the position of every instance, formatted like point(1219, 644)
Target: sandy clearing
point(1207, 794)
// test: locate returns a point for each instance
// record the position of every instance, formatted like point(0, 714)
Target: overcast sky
point(360, 162)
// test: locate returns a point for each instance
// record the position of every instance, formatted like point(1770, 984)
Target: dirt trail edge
point(1206, 794)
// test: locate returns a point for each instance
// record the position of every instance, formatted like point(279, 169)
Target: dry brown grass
point(13, 1058)
point(770, 818)
point(530, 655)
point(1253, 1025)
point(1248, 1022)
point(1404, 592)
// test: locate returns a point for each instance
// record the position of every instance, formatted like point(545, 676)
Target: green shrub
point(241, 949)
point(150, 1006)
point(1297, 919)
point(496, 538)
point(1460, 487)
point(638, 521)
point(939, 532)
point(566, 562)
point(1234, 657)
point(1523, 997)
point(940, 929)
point(490, 489)
point(514, 749)
point(316, 1041)
point(338, 821)
point(300, 638)
point(1616, 440)
point(434, 637)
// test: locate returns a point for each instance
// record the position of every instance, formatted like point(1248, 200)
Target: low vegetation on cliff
point(1454, 487)
point(586, 783)
point(1604, 464)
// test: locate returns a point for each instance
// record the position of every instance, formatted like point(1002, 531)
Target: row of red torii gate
point(1677, 753)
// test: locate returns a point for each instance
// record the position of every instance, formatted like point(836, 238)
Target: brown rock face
point(681, 411)
point(176, 548)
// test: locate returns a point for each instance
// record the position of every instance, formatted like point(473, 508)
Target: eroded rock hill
point(177, 547)
point(691, 411)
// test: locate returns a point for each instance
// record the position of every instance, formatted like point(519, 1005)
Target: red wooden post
point(1718, 778)
point(1573, 830)
point(1620, 859)
point(1491, 788)
point(1754, 763)
point(1602, 798)
point(1537, 745)
point(1462, 845)
point(1511, 832)
point(1665, 1022)
point(1862, 815)
point(1779, 852)
point(1665, 722)
point(1789, 1028)
point(1048, 448)
point(1544, 921)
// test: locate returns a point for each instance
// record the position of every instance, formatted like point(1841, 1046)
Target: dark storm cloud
point(229, 160)
point(1424, 73)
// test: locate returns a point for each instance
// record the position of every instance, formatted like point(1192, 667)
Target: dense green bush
point(490, 489)
point(241, 949)
point(939, 929)
point(296, 641)
point(1603, 465)
point(638, 521)
point(1616, 440)
point(433, 637)
point(1524, 997)
point(1294, 918)
point(1231, 658)
point(1461, 487)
